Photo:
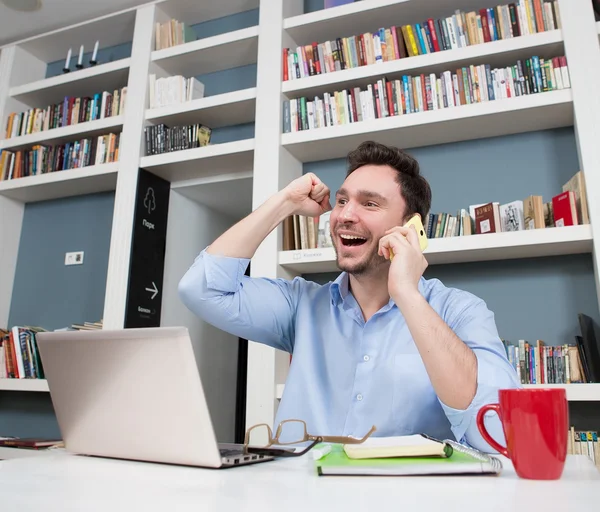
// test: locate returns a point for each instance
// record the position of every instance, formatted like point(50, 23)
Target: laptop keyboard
point(228, 452)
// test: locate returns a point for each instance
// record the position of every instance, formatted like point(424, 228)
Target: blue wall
point(46, 292)
point(532, 298)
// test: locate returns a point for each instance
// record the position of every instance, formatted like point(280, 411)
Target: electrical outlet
point(74, 258)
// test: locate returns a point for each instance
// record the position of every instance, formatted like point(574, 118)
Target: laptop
point(134, 394)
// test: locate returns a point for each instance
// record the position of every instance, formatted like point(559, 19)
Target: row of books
point(426, 92)
point(539, 363)
point(172, 33)
point(522, 17)
point(164, 139)
point(19, 354)
point(72, 110)
point(584, 442)
point(41, 159)
point(172, 90)
point(568, 208)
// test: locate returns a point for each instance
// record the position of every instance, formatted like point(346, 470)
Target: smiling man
point(381, 345)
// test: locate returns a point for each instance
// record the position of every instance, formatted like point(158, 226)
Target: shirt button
point(359, 397)
point(366, 358)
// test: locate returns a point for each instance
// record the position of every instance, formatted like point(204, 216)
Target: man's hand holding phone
point(407, 243)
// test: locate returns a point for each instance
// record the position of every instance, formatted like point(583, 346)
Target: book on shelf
point(539, 363)
point(517, 215)
point(302, 232)
point(43, 158)
point(161, 138)
point(172, 33)
point(425, 92)
point(459, 30)
point(584, 443)
point(173, 90)
point(19, 354)
point(70, 111)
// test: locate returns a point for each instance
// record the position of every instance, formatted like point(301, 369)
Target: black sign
point(146, 267)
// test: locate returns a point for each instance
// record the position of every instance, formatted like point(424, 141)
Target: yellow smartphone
point(415, 221)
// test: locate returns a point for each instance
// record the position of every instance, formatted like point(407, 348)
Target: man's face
point(367, 204)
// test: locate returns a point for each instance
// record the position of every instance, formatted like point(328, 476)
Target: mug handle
point(484, 433)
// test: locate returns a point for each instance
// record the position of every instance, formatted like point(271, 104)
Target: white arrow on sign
point(153, 290)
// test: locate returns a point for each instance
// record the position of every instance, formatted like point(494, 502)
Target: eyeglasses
point(292, 432)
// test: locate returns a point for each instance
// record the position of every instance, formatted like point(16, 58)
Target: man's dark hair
point(414, 188)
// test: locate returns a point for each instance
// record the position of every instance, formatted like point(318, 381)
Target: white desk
point(62, 482)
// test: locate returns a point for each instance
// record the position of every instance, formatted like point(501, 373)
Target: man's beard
point(369, 264)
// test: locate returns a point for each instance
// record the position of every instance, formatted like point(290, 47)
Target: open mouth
point(352, 240)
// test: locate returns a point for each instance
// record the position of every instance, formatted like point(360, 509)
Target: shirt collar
point(339, 289)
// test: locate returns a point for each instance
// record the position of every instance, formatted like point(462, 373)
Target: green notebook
point(463, 461)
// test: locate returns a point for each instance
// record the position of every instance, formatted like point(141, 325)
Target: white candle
point(95, 51)
point(80, 61)
point(67, 62)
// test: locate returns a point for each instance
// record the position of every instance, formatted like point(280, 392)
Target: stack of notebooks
point(406, 455)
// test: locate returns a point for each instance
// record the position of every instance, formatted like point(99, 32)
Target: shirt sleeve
point(475, 325)
point(216, 289)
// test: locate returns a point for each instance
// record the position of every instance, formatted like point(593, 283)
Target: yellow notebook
point(417, 445)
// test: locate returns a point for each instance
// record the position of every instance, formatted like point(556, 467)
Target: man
point(380, 345)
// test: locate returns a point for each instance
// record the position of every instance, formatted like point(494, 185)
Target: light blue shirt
point(347, 374)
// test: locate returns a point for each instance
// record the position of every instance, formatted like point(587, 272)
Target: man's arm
point(306, 195)
point(216, 289)
point(464, 358)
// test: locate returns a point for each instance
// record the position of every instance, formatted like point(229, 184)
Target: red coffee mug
point(536, 425)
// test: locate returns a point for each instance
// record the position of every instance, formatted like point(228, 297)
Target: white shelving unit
point(552, 109)
point(495, 52)
point(213, 186)
point(39, 385)
point(101, 77)
point(215, 111)
point(18, 453)
point(211, 54)
point(491, 246)
point(65, 133)
point(72, 182)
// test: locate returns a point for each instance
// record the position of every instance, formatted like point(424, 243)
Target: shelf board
point(462, 249)
point(368, 15)
point(533, 112)
point(204, 162)
point(225, 51)
point(188, 11)
point(496, 53)
point(112, 29)
point(65, 133)
point(23, 385)
point(229, 194)
point(59, 184)
point(85, 82)
point(575, 392)
point(227, 109)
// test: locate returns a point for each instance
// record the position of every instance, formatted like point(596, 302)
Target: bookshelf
point(492, 246)
point(86, 81)
point(231, 178)
point(225, 109)
point(494, 53)
point(39, 385)
point(466, 122)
